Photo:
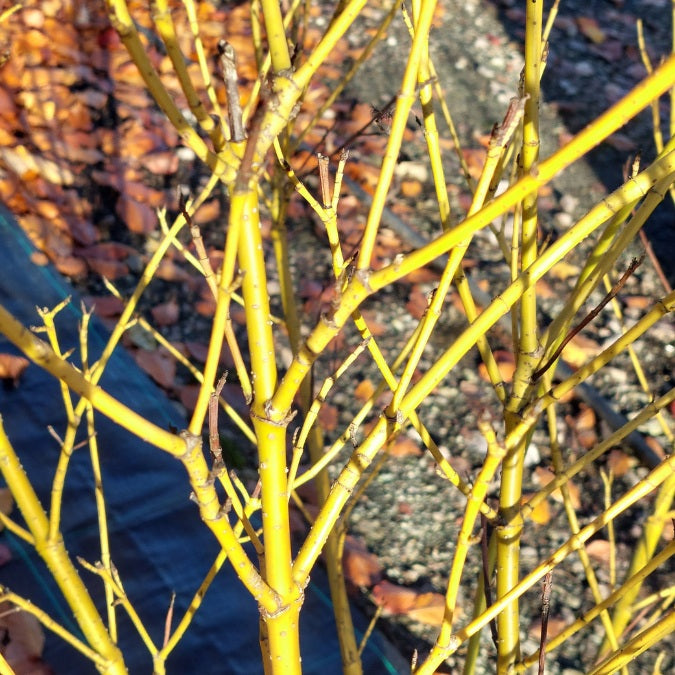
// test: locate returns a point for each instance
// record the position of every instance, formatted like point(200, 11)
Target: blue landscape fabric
point(158, 542)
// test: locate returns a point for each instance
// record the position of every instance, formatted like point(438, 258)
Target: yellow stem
point(276, 35)
point(55, 556)
point(406, 98)
point(641, 642)
point(50, 624)
point(495, 454)
point(167, 31)
point(440, 652)
point(225, 163)
point(584, 621)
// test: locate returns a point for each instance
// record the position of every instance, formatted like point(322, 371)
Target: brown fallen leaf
point(106, 306)
point(56, 244)
point(555, 626)
point(418, 301)
point(72, 267)
point(584, 425)
point(404, 446)
point(590, 28)
point(475, 159)
point(429, 609)
point(328, 417)
point(94, 98)
point(544, 290)
point(157, 363)
point(32, 17)
point(637, 301)
point(423, 607)
point(564, 270)
point(24, 637)
point(166, 313)
point(207, 212)
point(421, 276)
point(27, 165)
point(376, 327)
point(12, 367)
point(108, 250)
point(621, 142)
point(171, 271)
point(411, 188)
point(619, 462)
point(599, 549)
point(361, 568)
point(393, 598)
point(110, 269)
point(364, 390)
point(5, 553)
point(545, 476)
point(160, 163)
point(6, 503)
point(139, 218)
point(579, 350)
point(188, 395)
point(506, 364)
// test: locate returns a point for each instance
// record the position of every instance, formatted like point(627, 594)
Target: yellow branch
point(406, 98)
point(363, 283)
point(640, 491)
point(55, 556)
point(39, 352)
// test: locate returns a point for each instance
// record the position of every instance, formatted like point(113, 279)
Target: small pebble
point(569, 203)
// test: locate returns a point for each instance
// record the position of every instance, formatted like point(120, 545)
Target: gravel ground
point(409, 516)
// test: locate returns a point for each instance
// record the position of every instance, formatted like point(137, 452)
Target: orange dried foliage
point(364, 390)
point(411, 188)
point(106, 306)
point(166, 313)
point(584, 425)
point(564, 270)
point(159, 364)
point(545, 476)
point(599, 549)
point(423, 607)
point(506, 365)
point(24, 642)
point(328, 417)
point(418, 301)
point(139, 218)
point(579, 350)
point(361, 568)
point(541, 514)
point(404, 446)
point(590, 28)
point(619, 463)
point(12, 367)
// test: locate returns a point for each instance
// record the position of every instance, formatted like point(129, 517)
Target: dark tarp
point(158, 542)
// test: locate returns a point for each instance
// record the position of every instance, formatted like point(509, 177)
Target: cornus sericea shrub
point(254, 140)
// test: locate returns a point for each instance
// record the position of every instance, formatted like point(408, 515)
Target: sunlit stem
point(406, 98)
point(55, 556)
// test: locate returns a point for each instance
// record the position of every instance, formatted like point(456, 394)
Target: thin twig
point(214, 436)
point(324, 180)
point(203, 257)
point(545, 612)
point(635, 263)
point(228, 63)
point(169, 619)
point(486, 573)
point(655, 261)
